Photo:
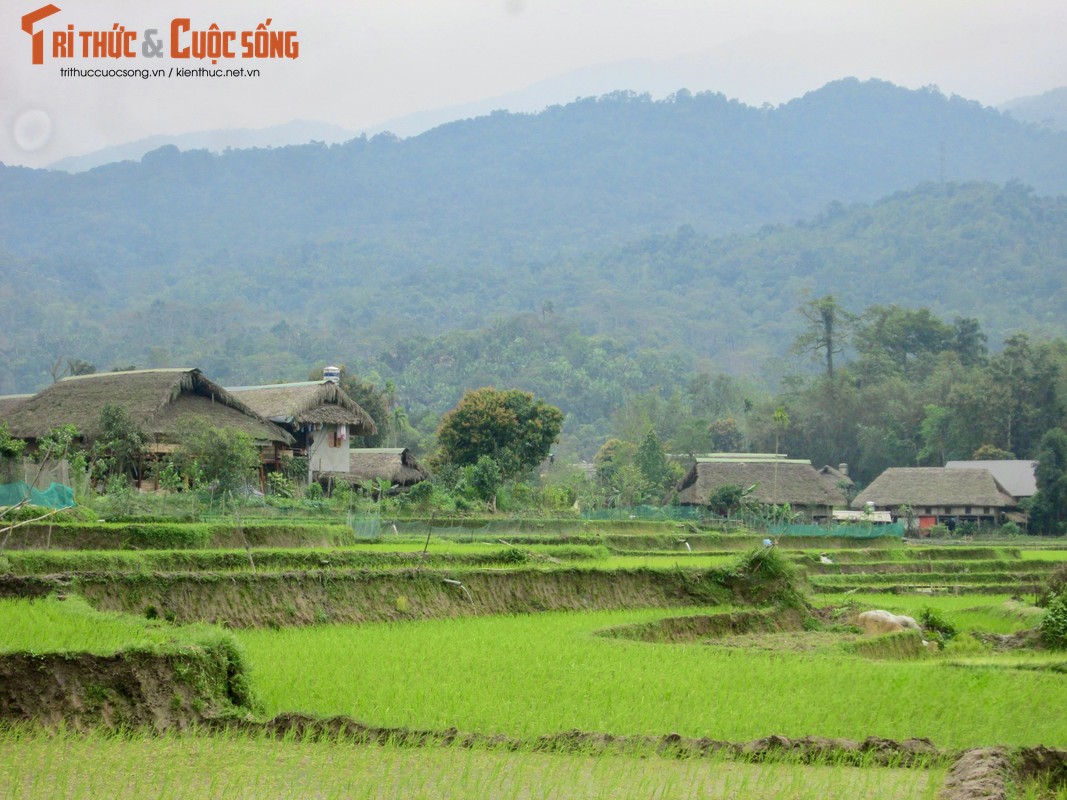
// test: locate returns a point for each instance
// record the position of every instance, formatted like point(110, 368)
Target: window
point(929, 510)
point(966, 509)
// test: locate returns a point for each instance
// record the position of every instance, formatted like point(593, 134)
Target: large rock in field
point(885, 622)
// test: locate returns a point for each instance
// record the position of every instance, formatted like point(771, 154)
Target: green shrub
point(1056, 586)
point(939, 531)
point(279, 484)
point(965, 645)
point(513, 555)
point(1010, 529)
point(936, 625)
point(764, 575)
point(1054, 623)
point(420, 496)
point(25, 513)
point(313, 492)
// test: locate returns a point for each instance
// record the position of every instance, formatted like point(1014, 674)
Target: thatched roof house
point(394, 464)
point(162, 402)
point(776, 480)
point(938, 494)
point(1016, 476)
point(320, 416)
point(294, 405)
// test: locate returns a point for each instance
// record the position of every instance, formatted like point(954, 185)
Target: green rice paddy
point(207, 766)
point(533, 675)
point(538, 674)
point(50, 625)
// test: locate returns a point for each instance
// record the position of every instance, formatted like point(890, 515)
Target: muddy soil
point(134, 689)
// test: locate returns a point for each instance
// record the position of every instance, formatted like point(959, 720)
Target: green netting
point(55, 496)
point(663, 513)
point(842, 531)
point(365, 527)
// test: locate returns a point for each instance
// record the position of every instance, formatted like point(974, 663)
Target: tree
point(652, 461)
point(612, 456)
point(224, 457)
point(10, 452)
point(1028, 374)
point(728, 499)
point(781, 422)
point(725, 436)
point(120, 442)
point(1049, 511)
point(10, 447)
point(514, 428)
point(399, 423)
point(897, 333)
point(989, 452)
point(968, 341)
point(826, 332)
point(77, 366)
point(934, 434)
point(484, 478)
point(73, 366)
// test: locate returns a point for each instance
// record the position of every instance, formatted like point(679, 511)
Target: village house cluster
point(311, 419)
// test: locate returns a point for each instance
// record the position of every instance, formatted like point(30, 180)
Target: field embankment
point(280, 599)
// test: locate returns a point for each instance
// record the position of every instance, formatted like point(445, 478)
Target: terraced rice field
point(527, 676)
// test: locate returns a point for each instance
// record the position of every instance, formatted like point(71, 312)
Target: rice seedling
point(72, 625)
point(531, 675)
point(33, 765)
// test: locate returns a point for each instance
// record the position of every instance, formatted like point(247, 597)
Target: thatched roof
point(835, 476)
point(1017, 477)
point(159, 401)
point(934, 486)
point(395, 464)
point(798, 484)
point(8, 403)
point(295, 404)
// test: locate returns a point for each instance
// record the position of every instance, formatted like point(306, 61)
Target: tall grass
point(531, 675)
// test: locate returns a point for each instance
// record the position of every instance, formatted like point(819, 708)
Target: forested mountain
point(1047, 110)
point(581, 176)
point(995, 253)
point(295, 132)
point(660, 226)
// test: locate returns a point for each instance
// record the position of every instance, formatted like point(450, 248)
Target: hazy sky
point(365, 62)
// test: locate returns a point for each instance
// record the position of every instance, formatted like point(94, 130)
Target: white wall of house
point(327, 451)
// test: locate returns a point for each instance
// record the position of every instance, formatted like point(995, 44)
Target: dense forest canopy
point(997, 253)
point(639, 264)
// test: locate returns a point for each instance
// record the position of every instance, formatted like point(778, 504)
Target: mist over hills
point(669, 227)
point(1048, 109)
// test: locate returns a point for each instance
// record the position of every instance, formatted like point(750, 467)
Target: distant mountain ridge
point(289, 133)
point(1048, 109)
point(586, 175)
point(667, 226)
